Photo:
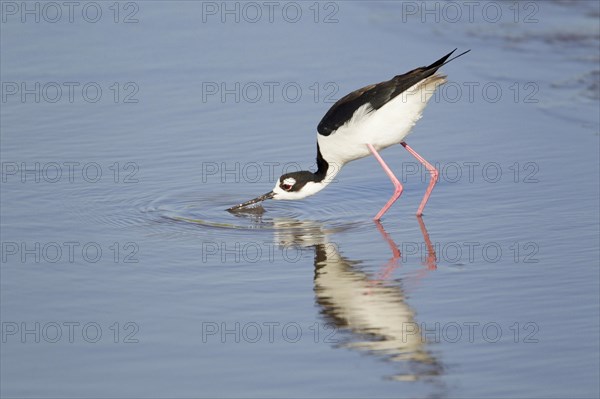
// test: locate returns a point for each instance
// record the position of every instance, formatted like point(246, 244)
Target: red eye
point(286, 187)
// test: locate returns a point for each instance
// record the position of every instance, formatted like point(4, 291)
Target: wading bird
point(365, 122)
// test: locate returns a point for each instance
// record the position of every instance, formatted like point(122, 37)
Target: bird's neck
point(326, 171)
point(316, 181)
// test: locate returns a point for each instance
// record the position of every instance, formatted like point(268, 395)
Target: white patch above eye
point(289, 181)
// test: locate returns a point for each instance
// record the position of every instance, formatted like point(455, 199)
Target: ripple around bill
point(188, 210)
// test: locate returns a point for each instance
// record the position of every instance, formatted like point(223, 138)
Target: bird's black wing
point(377, 95)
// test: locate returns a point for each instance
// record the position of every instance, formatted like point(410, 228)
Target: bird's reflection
point(374, 313)
point(369, 312)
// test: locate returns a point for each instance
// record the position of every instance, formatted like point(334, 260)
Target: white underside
point(382, 128)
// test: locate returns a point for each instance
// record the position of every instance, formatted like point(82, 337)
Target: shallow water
point(122, 274)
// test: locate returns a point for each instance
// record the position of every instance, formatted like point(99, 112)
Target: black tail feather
point(442, 61)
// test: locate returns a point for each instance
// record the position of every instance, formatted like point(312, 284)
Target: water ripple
point(182, 211)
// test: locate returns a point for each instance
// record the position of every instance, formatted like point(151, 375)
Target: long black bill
point(263, 197)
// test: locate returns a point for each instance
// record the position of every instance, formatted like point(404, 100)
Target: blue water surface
point(127, 128)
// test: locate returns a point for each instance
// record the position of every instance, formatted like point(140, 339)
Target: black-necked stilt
point(361, 123)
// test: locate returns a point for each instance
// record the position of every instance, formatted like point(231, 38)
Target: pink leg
point(434, 177)
point(397, 185)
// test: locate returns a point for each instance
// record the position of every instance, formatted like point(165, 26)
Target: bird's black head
point(297, 185)
point(295, 181)
point(290, 186)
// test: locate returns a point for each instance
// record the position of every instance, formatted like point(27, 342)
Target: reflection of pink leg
point(431, 257)
point(397, 185)
point(393, 263)
point(388, 269)
point(434, 177)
